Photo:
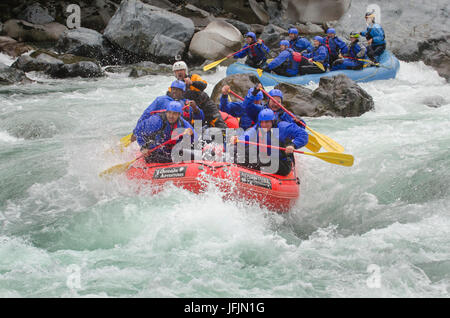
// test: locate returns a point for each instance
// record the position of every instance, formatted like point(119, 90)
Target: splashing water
point(378, 229)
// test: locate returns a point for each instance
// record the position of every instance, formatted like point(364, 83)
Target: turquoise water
point(378, 229)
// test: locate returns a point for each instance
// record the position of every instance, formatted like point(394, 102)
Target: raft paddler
point(237, 109)
point(255, 50)
point(158, 129)
point(269, 131)
point(193, 82)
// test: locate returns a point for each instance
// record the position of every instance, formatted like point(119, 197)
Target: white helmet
point(180, 65)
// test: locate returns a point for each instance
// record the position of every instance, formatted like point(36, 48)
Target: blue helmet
point(251, 35)
point(266, 114)
point(276, 92)
point(258, 96)
point(331, 31)
point(179, 84)
point(318, 38)
point(293, 31)
point(284, 42)
point(174, 106)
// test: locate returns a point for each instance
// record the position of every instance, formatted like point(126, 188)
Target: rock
point(272, 35)
point(335, 96)
point(200, 17)
point(24, 31)
point(434, 101)
point(217, 40)
point(239, 83)
point(41, 63)
point(436, 53)
point(259, 11)
point(149, 68)
point(310, 29)
point(317, 11)
point(12, 47)
point(241, 26)
point(11, 75)
point(88, 43)
point(36, 14)
point(409, 28)
point(151, 28)
point(82, 69)
point(257, 28)
point(163, 4)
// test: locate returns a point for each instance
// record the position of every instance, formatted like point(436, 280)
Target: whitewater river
point(378, 229)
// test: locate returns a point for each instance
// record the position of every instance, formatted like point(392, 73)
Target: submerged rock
point(11, 75)
point(13, 48)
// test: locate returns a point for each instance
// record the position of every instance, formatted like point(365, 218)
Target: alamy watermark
point(74, 19)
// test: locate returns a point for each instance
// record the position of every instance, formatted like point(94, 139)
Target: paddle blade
point(117, 169)
point(326, 142)
point(334, 158)
point(259, 71)
point(313, 144)
point(126, 141)
point(320, 65)
point(213, 64)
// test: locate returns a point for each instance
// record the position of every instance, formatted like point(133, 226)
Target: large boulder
point(11, 75)
point(200, 17)
point(149, 68)
point(13, 48)
point(86, 42)
point(336, 96)
point(25, 31)
point(415, 30)
point(317, 11)
point(239, 83)
point(148, 31)
point(217, 40)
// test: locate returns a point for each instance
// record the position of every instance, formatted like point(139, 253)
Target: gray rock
point(259, 11)
point(434, 101)
point(149, 68)
point(216, 41)
point(84, 69)
point(41, 63)
point(144, 22)
point(241, 26)
point(36, 14)
point(239, 83)
point(310, 29)
point(200, 17)
point(272, 35)
point(11, 75)
point(335, 96)
point(86, 42)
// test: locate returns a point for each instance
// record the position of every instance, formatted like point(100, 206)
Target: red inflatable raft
point(277, 193)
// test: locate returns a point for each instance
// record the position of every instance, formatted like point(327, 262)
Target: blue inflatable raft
point(388, 68)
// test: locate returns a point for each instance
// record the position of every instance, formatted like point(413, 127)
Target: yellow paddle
point(318, 64)
point(325, 141)
point(336, 158)
point(122, 167)
point(312, 144)
point(214, 64)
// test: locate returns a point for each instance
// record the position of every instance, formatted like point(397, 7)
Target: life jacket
point(196, 78)
point(230, 121)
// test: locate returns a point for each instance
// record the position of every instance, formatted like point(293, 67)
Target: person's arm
point(263, 47)
point(223, 106)
point(278, 60)
point(342, 46)
point(298, 135)
point(377, 34)
point(145, 128)
point(321, 55)
point(251, 108)
point(241, 54)
point(362, 51)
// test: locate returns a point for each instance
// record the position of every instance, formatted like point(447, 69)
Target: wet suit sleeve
point(241, 54)
point(146, 127)
point(298, 135)
point(278, 60)
point(251, 108)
